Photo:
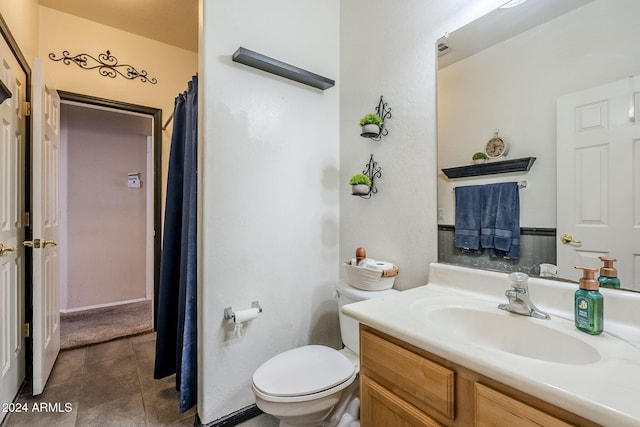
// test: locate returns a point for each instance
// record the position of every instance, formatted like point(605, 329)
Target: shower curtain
point(176, 342)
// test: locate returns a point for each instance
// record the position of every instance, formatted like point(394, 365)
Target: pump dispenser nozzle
point(608, 269)
point(608, 274)
point(588, 281)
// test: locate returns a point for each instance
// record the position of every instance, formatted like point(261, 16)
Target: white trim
point(104, 108)
point(150, 224)
point(109, 304)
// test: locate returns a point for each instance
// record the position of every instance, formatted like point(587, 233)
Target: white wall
point(520, 79)
point(106, 221)
point(20, 16)
point(269, 183)
point(389, 49)
point(171, 66)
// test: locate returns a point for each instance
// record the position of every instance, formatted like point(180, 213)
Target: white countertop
point(606, 391)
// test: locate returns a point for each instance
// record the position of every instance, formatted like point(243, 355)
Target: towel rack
point(521, 184)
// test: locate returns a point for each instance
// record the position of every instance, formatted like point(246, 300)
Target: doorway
point(110, 203)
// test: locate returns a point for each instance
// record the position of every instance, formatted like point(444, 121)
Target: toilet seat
point(302, 374)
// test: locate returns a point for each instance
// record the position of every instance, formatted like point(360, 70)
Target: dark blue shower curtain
point(176, 342)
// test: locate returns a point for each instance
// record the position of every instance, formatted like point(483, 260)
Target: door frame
point(156, 115)
point(28, 259)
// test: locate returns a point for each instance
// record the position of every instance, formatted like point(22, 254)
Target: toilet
point(316, 385)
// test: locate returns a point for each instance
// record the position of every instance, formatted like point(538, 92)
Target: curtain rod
point(164, 127)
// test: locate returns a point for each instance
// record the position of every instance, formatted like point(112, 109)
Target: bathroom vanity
point(444, 354)
point(404, 385)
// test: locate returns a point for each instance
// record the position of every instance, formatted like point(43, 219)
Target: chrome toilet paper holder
point(229, 314)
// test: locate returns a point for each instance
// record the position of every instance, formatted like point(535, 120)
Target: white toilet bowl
point(300, 387)
point(316, 385)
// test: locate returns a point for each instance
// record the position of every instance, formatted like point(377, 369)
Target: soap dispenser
point(589, 303)
point(608, 274)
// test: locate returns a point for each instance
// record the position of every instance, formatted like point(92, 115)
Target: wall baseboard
point(233, 419)
point(110, 304)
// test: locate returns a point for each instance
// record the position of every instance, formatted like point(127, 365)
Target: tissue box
point(371, 277)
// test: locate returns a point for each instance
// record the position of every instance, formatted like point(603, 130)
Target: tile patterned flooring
point(108, 384)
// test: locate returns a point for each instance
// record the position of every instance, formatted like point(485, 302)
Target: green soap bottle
point(589, 303)
point(608, 274)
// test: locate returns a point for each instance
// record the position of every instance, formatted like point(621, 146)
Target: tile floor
point(109, 384)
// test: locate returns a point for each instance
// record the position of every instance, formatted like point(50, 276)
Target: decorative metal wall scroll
point(384, 111)
point(372, 171)
point(106, 64)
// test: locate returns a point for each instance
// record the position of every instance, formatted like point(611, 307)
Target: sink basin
point(487, 326)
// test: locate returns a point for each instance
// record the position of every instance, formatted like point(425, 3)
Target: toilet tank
point(349, 327)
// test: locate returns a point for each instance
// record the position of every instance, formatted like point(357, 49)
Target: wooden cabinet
point(402, 385)
point(493, 408)
point(380, 407)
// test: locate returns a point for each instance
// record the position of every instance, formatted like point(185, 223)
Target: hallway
point(108, 384)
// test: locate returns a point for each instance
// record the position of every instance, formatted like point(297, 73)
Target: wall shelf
point(282, 69)
point(490, 168)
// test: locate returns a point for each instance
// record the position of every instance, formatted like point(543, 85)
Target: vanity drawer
point(493, 408)
point(424, 384)
point(380, 407)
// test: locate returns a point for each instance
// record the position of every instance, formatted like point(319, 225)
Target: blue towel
point(488, 217)
point(500, 220)
point(467, 227)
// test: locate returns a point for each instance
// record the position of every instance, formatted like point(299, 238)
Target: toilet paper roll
point(244, 315)
point(379, 265)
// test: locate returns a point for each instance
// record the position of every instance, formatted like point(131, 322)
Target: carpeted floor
point(98, 325)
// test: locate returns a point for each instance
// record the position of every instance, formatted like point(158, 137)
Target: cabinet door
point(417, 380)
point(381, 408)
point(494, 409)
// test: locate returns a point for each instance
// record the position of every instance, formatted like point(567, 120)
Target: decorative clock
point(496, 147)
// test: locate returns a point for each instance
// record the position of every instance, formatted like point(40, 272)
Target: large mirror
point(508, 72)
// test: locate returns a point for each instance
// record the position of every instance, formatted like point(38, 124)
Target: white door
point(45, 218)
point(598, 155)
point(12, 150)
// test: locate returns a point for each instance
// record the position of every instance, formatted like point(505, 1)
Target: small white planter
point(478, 161)
point(370, 130)
point(360, 189)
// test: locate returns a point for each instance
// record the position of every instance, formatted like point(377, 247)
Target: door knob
point(47, 242)
point(5, 249)
point(39, 243)
point(568, 238)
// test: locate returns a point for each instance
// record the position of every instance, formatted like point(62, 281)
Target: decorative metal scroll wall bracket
point(5, 93)
point(106, 64)
point(373, 171)
point(384, 111)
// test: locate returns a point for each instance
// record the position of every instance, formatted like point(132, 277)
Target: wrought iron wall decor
point(107, 65)
point(384, 111)
point(373, 171)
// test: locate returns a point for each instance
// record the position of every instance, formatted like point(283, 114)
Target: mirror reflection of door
point(598, 157)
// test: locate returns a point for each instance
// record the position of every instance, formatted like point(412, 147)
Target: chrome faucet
point(519, 300)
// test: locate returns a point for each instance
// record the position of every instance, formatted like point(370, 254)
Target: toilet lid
point(303, 370)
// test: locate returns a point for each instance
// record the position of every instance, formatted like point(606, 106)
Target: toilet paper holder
point(229, 314)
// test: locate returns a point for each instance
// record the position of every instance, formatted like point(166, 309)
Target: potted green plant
point(371, 124)
point(360, 184)
point(479, 157)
